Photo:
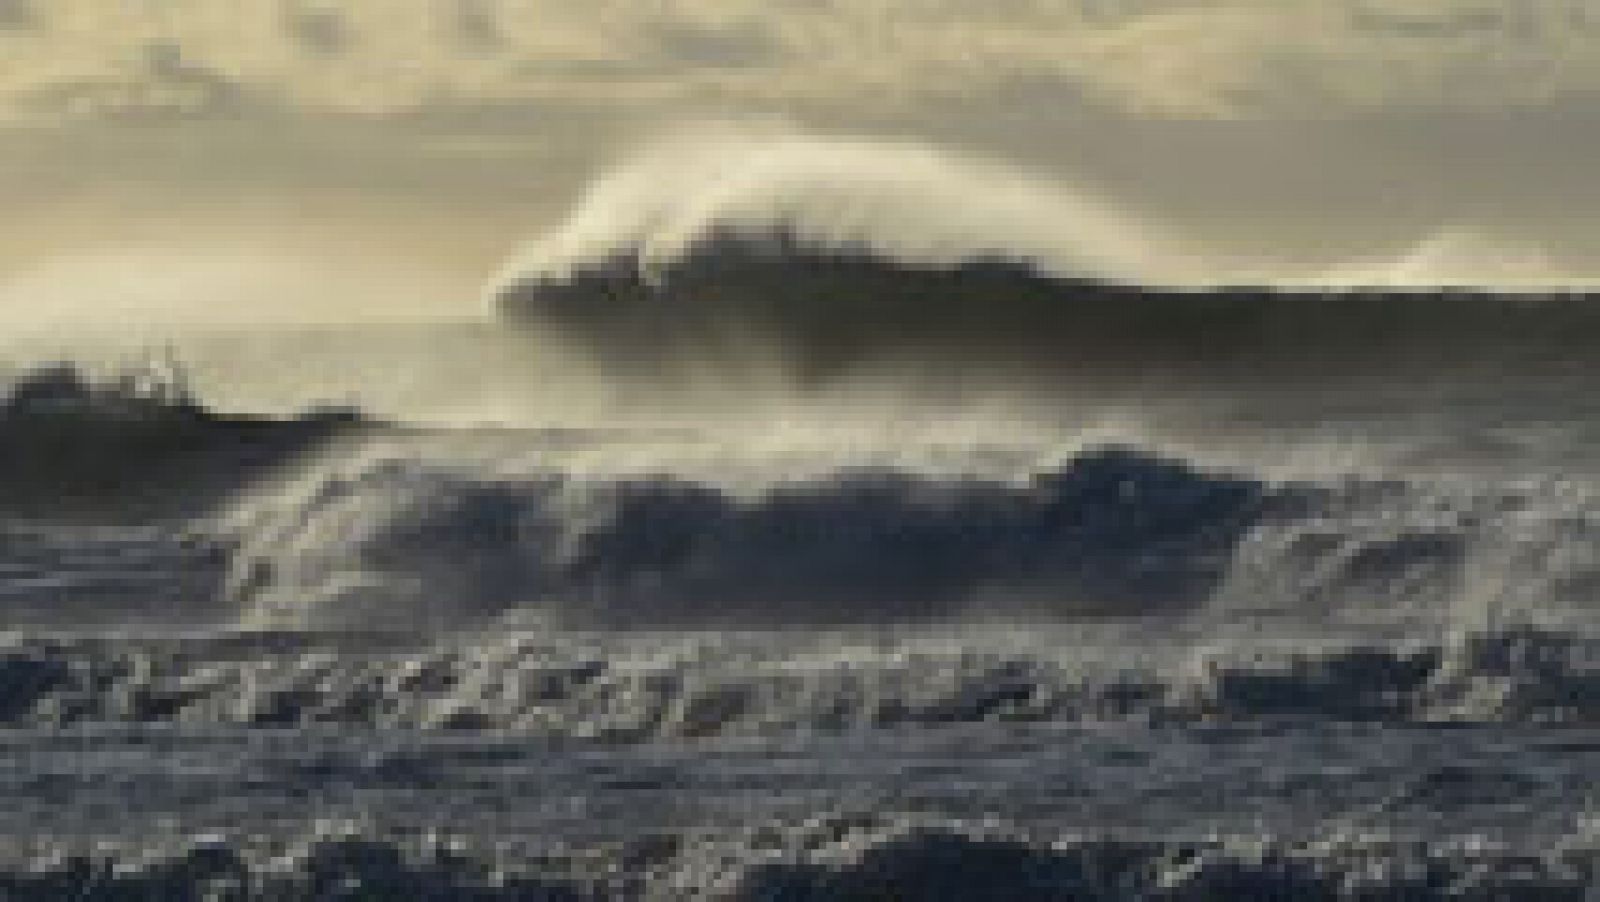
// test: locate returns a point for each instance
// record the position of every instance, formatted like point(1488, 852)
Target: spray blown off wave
point(902, 200)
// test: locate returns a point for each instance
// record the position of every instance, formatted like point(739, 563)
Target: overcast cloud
point(66, 60)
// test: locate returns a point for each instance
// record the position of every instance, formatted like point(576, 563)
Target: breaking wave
point(295, 532)
point(1112, 531)
point(902, 200)
point(831, 255)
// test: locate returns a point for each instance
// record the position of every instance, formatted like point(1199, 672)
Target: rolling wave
point(1112, 531)
point(399, 534)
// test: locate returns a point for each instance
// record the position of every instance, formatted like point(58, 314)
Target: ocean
point(1067, 624)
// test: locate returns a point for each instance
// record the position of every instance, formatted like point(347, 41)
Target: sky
point(302, 159)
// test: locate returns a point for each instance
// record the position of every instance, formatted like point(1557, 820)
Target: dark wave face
point(829, 311)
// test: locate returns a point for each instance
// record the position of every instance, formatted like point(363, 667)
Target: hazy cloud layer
point(87, 59)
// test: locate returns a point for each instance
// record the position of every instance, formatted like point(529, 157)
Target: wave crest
point(902, 200)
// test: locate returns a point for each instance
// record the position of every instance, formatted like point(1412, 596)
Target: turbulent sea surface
point(1138, 625)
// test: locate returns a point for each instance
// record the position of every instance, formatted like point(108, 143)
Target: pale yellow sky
point(289, 159)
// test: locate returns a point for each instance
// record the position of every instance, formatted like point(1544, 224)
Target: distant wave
point(126, 447)
point(828, 254)
point(1460, 257)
